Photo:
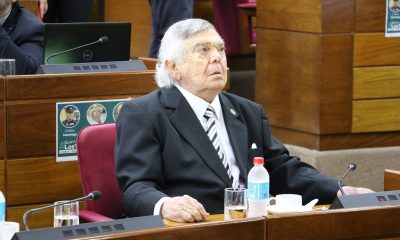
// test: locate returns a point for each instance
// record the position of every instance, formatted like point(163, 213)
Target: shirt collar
point(3, 19)
point(199, 105)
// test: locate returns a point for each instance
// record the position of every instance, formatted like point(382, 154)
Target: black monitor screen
point(59, 37)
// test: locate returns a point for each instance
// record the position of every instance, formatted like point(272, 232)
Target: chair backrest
point(227, 22)
point(97, 168)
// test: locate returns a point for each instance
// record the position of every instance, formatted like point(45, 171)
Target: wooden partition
point(2, 137)
point(32, 175)
point(327, 75)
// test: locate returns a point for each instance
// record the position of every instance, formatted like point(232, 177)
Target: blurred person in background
point(164, 13)
point(68, 11)
point(21, 37)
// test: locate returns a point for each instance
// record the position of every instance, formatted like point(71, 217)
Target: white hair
point(172, 46)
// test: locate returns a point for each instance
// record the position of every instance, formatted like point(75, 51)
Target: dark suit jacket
point(21, 38)
point(162, 150)
point(164, 13)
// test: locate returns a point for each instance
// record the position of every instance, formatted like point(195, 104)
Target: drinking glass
point(66, 214)
point(7, 67)
point(235, 203)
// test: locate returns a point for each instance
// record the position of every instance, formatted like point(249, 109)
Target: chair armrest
point(89, 216)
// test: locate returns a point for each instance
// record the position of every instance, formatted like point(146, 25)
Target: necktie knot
point(210, 112)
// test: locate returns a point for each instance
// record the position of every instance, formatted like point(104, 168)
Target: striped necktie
point(211, 130)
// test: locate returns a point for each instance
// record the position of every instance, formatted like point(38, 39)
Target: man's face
point(5, 4)
point(70, 116)
point(203, 71)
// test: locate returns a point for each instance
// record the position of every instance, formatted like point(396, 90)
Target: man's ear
point(172, 70)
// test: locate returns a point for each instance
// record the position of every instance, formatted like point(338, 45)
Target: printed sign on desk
point(73, 116)
point(392, 28)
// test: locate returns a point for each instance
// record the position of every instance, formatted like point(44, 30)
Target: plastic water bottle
point(258, 189)
point(2, 209)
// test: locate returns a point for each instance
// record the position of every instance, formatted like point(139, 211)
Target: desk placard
point(392, 28)
point(73, 116)
point(367, 200)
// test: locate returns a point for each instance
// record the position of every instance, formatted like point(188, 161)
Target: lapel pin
point(233, 112)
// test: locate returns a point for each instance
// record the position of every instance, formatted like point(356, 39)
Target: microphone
point(101, 40)
point(351, 167)
point(94, 195)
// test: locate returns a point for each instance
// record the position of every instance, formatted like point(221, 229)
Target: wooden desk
point(356, 223)
point(29, 171)
point(391, 180)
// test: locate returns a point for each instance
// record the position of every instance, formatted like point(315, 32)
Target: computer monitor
point(105, 41)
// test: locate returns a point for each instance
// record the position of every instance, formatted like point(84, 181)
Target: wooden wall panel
point(337, 141)
point(305, 88)
point(2, 137)
point(287, 15)
point(79, 85)
point(288, 86)
point(2, 112)
point(373, 49)
point(306, 54)
point(32, 5)
point(2, 88)
point(40, 180)
point(337, 16)
point(36, 121)
point(376, 82)
point(2, 131)
point(376, 115)
point(370, 16)
point(139, 14)
point(2, 176)
point(335, 91)
point(316, 16)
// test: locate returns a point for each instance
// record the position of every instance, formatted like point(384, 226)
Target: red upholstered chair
point(233, 21)
point(97, 169)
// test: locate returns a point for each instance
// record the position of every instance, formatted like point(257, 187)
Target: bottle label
point(259, 191)
point(2, 211)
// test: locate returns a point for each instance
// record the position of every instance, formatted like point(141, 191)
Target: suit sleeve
point(290, 175)
point(28, 52)
point(138, 161)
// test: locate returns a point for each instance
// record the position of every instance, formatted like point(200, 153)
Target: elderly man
point(169, 163)
point(21, 37)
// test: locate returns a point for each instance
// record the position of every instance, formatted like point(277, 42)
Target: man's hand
point(183, 209)
point(354, 190)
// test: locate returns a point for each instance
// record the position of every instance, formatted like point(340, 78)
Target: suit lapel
point(237, 132)
point(186, 123)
